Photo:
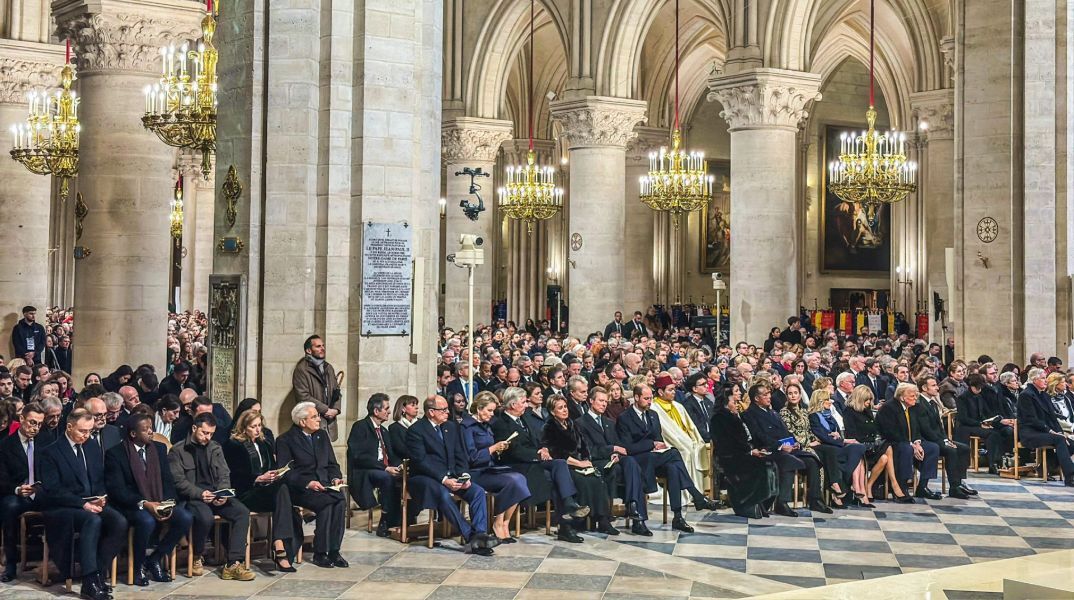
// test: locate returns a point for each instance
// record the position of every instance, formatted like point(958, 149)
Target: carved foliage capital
point(595, 122)
point(762, 100)
point(19, 76)
point(127, 42)
point(464, 140)
point(938, 109)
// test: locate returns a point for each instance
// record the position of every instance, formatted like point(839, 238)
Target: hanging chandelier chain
point(530, 78)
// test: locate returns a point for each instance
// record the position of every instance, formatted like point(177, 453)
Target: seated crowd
point(547, 422)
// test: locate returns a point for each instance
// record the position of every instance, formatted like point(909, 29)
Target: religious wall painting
point(716, 221)
point(854, 238)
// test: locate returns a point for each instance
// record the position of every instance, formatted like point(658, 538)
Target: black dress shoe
point(632, 510)
point(705, 503)
point(382, 529)
point(507, 540)
point(565, 534)
point(140, 578)
point(640, 528)
point(338, 561)
point(322, 560)
point(8, 576)
point(782, 509)
point(156, 572)
point(92, 589)
point(904, 499)
point(606, 527)
point(818, 506)
point(958, 493)
point(680, 524)
point(105, 584)
point(1070, 481)
point(967, 489)
point(925, 492)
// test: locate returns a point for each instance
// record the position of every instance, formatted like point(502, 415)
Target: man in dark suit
point(872, 379)
point(844, 385)
point(901, 427)
point(313, 469)
point(461, 384)
point(72, 496)
point(605, 448)
point(902, 375)
point(139, 478)
point(439, 462)
point(178, 381)
point(557, 383)
point(198, 406)
point(639, 431)
point(545, 476)
point(616, 326)
point(956, 455)
point(52, 428)
point(373, 465)
point(1038, 425)
point(104, 434)
point(813, 371)
point(697, 405)
point(767, 430)
point(634, 327)
point(18, 477)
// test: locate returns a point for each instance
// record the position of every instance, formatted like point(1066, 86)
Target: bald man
point(130, 400)
point(104, 433)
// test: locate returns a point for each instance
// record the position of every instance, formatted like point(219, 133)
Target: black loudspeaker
point(937, 306)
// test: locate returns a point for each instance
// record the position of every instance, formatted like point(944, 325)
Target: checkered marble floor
point(727, 557)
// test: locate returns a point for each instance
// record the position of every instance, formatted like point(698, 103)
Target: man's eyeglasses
point(439, 409)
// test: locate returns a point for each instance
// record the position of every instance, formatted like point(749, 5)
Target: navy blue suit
point(892, 422)
point(66, 480)
point(435, 455)
point(1036, 421)
point(14, 472)
point(638, 438)
point(766, 429)
point(124, 495)
point(700, 411)
point(509, 487)
point(600, 437)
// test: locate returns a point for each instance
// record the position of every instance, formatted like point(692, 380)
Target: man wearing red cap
point(640, 431)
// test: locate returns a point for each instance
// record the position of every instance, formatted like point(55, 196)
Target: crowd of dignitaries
point(131, 452)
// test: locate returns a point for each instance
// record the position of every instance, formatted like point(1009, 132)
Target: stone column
point(639, 247)
point(25, 198)
point(763, 108)
point(198, 242)
point(597, 130)
point(473, 143)
point(936, 178)
point(121, 289)
point(527, 257)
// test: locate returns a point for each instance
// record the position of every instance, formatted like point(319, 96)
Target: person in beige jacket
point(314, 380)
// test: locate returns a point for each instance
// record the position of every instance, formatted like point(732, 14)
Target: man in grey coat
point(314, 380)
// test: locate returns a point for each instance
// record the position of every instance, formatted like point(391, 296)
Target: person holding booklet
point(203, 479)
point(258, 481)
point(142, 488)
point(508, 487)
point(316, 481)
point(73, 498)
point(564, 441)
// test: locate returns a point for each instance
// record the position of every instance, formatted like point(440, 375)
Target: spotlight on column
point(470, 252)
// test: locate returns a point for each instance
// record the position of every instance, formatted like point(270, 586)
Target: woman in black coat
point(751, 479)
point(564, 441)
point(252, 461)
point(404, 415)
point(118, 378)
point(859, 423)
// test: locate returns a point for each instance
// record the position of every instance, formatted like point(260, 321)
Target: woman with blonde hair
point(252, 461)
point(859, 422)
point(824, 426)
point(508, 487)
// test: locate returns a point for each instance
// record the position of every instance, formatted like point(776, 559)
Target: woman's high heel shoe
point(280, 556)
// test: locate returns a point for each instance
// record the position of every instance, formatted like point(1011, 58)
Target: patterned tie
point(141, 453)
point(383, 448)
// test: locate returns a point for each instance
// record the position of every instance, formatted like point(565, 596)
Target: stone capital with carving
point(125, 35)
point(765, 98)
point(471, 139)
point(937, 107)
point(28, 66)
point(599, 121)
point(646, 140)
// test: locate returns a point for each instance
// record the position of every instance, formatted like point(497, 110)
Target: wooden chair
point(491, 502)
point(663, 483)
point(532, 520)
point(130, 560)
point(1040, 455)
point(159, 437)
point(404, 536)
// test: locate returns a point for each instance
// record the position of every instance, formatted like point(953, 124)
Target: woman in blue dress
point(509, 487)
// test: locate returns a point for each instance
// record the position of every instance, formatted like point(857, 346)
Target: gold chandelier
point(872, 167)
point(181, 109)
point(175, 217)
point(678, 181)
point(530, 193)
point(47, 143)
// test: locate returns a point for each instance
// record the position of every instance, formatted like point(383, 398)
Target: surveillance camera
point(468, 240)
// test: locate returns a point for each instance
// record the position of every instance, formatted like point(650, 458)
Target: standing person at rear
point(314, 380)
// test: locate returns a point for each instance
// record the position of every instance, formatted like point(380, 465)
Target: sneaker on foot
point(237, 571)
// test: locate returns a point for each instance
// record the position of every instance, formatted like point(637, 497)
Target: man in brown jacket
point(314, 380)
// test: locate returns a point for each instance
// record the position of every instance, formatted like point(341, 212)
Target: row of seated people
point(992, 406)
point(520, 455)
point(99, 491)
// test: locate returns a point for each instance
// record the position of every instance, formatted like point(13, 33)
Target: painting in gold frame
point(715, 255)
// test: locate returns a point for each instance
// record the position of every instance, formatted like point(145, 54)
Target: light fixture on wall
point(678, 181)
point(872, 167)
point(47, 143)
point(530, 193)
point(181, 109)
